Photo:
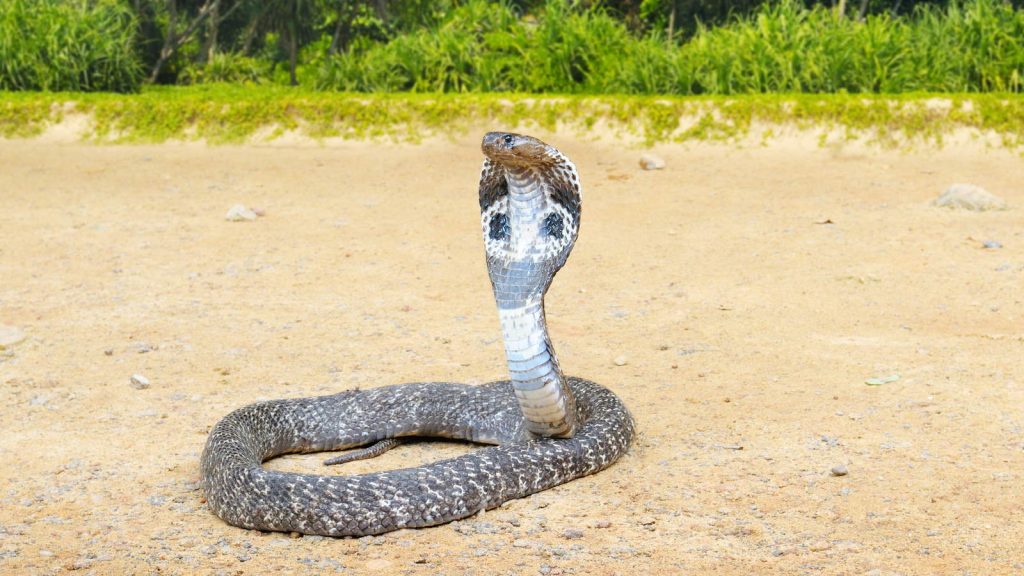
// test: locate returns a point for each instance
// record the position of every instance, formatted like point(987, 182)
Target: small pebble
point(840, 470)
point(647, 521)
point(109, 352)
point(240, 213)
point(991, 244)
point(820, 546)
point(572, 534)
point(139, 382)
point(485, 528)
point(620, 361)
point(521, 543)
point(602, 524)
point(651, 162)
point(510, 518)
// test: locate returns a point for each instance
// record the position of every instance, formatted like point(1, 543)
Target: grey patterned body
point(547, 428)
point(244, 494)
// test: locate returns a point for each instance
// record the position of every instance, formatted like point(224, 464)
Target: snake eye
point(508, 140)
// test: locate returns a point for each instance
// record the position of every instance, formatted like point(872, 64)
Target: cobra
point(545, 428)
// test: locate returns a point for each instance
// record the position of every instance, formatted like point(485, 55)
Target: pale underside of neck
point(544, 397)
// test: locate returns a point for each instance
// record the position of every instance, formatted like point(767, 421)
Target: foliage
point(783, 47)
point(787, 48)
point(227, 68)
point(472, 49)
point(682, 47)
point(80, 45)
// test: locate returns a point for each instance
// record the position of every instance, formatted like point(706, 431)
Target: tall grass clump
point(484, 46)
point(783, 47)
point(977, 46)
point(227, 68)
point(477, 48)
point(64, 45)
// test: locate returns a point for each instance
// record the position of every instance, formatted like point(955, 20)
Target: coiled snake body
point(548, 429)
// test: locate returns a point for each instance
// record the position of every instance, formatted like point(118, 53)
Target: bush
point(227, 68)
point(783, 47)
point(72, 45)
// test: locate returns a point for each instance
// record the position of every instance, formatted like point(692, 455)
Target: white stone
point(651, 162)
point(241, 213)
point(140, 382)
point(969, 197)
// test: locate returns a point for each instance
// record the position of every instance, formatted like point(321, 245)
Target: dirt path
point(752, 292)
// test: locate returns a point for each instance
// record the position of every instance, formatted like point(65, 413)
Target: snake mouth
point(515, 150)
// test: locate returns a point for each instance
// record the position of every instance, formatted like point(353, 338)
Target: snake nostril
point(507, 139)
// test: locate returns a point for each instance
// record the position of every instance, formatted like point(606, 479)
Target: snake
point(540, 427)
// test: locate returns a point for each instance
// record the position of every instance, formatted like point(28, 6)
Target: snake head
point(516, 150)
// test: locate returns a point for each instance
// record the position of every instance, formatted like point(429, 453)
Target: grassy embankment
point(226, 114)
point(897, 80)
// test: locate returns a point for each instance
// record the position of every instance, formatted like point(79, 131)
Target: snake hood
point(530, 213)
point(530, 199)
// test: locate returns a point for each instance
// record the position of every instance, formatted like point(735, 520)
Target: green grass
point(784, 47)
point(565, 47)
point(231, 114)
point(82, 45)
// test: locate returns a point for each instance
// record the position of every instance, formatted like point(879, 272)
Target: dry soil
point(748, 292)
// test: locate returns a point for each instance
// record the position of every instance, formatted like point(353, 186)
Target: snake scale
point(546, 428)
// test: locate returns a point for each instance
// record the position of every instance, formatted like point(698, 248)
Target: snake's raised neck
point(530, 213)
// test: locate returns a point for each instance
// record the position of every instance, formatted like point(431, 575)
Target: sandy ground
point(751, 291)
